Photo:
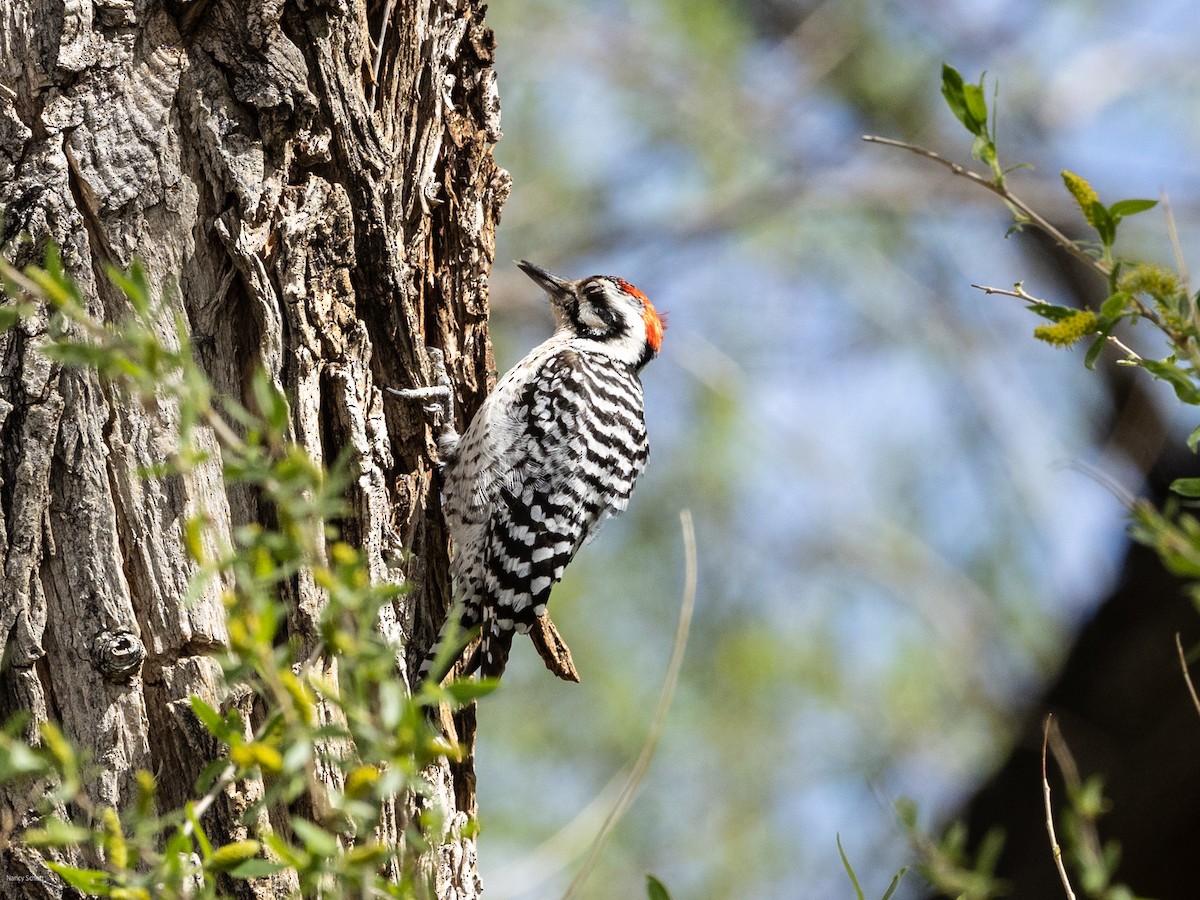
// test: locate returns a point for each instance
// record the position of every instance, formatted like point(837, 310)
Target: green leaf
point(954, 91)
point(1114, 305)
point(990, 849)
point(1089, 797)
point(887, 895)
point(60, 749)
point(56, 833)
point(134, 286)
point(1094, 351)
point(1051, 311)
point(198, 832)
point(1106, 327)
point(1124, 208)
point(655, 889)
point(976, 105)
point(1193, 440)
point(209, 774)
point(12, 313)
point(20, 759)
point(211, 719)
point(449, 649)
point(272, 405)
point(193, 537)
point(316, 839)
point(1166, 370)
point(90, 881)
point(297, 755)
point(1182, 564)
point(464, 690)
point(1186, 487)
point(256, 868)
point(291, 855)
point(1104, 223)
point(849, 869)
point(60, 290)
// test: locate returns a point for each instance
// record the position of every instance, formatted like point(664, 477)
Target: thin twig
point(1106, 481)
point(638, 773)
point(383, 30)
point(1187, 677)
point(1087, 837)
point(1122, 346)
point(1021, 294)
point(998, 188)
point(1017, 291)
point(1054, 847)
point(1024, 211)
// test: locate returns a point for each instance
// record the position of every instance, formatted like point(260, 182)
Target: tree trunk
point(311, 187)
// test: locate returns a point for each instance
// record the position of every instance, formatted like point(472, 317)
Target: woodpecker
point(552, 452)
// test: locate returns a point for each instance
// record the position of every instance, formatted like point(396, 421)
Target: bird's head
point(605, 309)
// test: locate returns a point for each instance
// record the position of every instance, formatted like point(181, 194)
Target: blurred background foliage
point(896, 539)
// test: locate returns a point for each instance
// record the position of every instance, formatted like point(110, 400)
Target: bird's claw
point(437, 400)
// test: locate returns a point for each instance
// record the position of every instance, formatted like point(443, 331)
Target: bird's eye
point(594, 292)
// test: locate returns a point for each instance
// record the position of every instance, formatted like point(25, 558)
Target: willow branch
point(1001, 190)
point(1028, 214)
point(1021, 294)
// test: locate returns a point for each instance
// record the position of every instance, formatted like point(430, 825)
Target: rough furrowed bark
point(310, 187)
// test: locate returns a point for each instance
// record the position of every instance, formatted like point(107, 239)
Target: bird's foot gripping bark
point(438, 400)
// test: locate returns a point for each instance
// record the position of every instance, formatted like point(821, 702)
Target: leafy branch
point(355, 719)
point(1136, 291)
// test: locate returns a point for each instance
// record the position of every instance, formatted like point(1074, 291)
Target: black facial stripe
point(648, 354)
point(597, 302)
point(598, 293)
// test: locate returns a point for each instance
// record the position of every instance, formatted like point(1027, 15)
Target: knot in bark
point(118, 654)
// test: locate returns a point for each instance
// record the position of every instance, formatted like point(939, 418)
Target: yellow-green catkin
point(1084, 194)
point(267, 758)
point(1153, 281)
point(1164, 289)
point(114, 839)
point(230, 855)
point(1068, 330)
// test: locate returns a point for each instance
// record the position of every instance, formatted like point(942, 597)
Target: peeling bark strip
point(311, 186)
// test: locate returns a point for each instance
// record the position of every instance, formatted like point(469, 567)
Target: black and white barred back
point(553, 451)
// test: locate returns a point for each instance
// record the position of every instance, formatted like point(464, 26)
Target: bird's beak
point(559, 289)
